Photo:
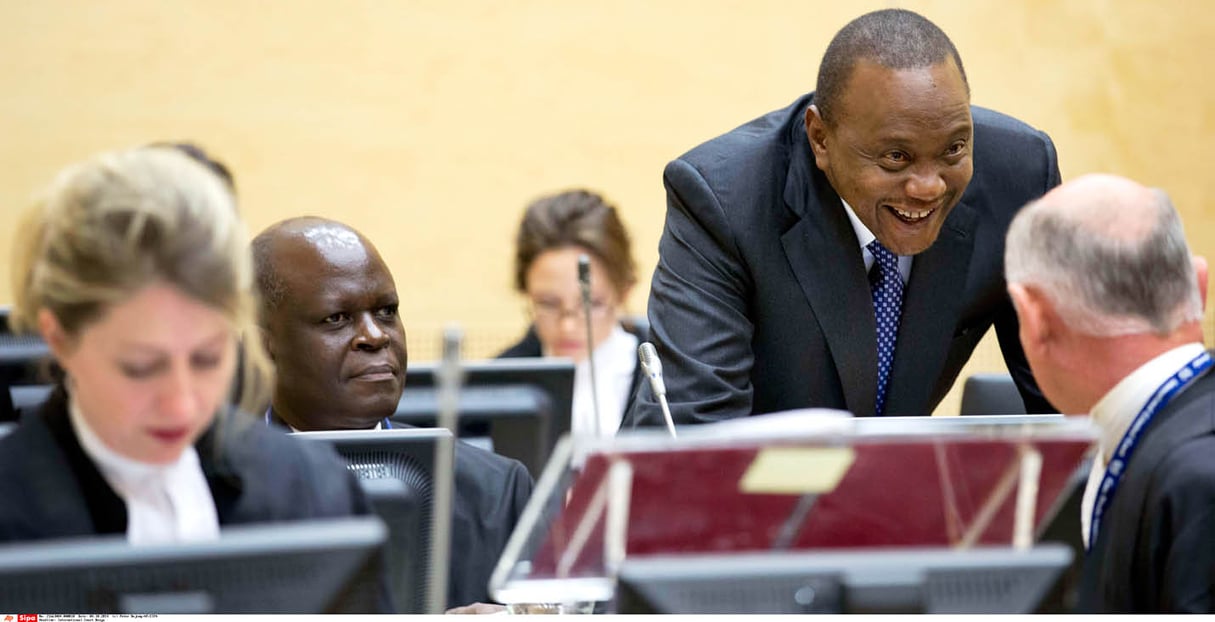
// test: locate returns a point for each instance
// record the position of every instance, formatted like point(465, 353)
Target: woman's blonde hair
point(114, 224)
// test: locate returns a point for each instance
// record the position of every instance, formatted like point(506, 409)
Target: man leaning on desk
point(846, 251)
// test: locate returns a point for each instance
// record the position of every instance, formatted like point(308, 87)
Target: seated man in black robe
point(329, 320)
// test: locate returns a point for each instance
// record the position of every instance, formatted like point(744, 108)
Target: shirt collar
point(864, 236)
point(1114, 412)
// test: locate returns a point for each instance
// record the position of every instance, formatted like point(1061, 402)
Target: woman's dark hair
point(575, 218)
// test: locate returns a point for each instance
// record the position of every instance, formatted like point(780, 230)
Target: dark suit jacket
point(1155, 551)
point(530, 346)
point(52, 489)
point(760, 301)
point(491, 491)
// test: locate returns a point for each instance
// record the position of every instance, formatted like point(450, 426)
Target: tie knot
point(884, 257)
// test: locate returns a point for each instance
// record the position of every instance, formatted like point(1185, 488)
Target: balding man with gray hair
point(1110, 303)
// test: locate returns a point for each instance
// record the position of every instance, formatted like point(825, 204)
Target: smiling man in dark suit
point(845, 252)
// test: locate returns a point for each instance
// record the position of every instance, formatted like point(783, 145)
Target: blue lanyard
point(387, 424)
point(1130, 440)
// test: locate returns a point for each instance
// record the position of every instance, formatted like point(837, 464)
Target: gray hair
point(1108, 270)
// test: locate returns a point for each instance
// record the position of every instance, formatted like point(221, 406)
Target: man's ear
point(53, 333)
point(816, 133)
point(1200, 270)
point(267, 342)
point(1035, 314)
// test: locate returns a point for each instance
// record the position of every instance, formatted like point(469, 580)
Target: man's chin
point(912, 240)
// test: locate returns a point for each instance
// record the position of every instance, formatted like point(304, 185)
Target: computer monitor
point(404, 510)
point(317, 566)
point(407, 458)
point(526, 401)
point(986, 580)
point(26, 398)
point(24, 360)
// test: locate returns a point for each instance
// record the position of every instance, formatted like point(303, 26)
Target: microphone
point(652, 368)
point(584, 282)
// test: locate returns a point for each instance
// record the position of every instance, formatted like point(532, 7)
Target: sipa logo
point(27, 617)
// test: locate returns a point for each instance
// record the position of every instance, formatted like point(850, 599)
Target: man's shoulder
point(1184, 443)
point(995, 120)
point(486, 467)
point(1000, 132)
point(755, 142)
point(263, 448)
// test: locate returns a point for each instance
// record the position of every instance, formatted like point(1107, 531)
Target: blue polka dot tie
point(887, 307)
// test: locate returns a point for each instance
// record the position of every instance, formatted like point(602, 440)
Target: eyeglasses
point(546, 310)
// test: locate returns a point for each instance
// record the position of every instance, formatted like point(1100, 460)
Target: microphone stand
point(449, 378)
point(584, 282)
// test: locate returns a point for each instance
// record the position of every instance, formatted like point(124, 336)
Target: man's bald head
point(305, 234)
point(329, 315)
point(1110, 254)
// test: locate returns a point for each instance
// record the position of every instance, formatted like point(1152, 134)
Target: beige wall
point(429, 124)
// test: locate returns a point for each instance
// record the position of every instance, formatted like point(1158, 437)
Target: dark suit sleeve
point(698, 310)
point(1007, 328)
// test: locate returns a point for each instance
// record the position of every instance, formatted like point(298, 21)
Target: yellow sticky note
point(797, 470)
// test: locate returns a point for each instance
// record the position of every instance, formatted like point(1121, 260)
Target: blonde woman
point(135, 270)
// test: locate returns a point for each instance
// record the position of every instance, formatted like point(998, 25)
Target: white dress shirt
point(165, 503)
point(865, 236)
point(615, 360)
point(1117, 409)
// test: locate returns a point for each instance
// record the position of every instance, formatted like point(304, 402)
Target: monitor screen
point(526, 402)
point(322, 566)
point(24, 360)
point(406, 502)
point(986, 580)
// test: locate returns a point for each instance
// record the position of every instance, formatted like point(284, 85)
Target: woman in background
point(136, 271)
point(554, 232)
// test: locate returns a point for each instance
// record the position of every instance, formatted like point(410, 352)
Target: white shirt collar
point(1114, 412)
point(865, 236)
point(165, 502)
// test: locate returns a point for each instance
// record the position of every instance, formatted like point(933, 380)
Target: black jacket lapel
point(107, 510)
point(825, 257)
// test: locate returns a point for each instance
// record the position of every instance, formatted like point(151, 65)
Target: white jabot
point(165, 503)
point(615, 360)
point(1114, 412)
point(865, 236)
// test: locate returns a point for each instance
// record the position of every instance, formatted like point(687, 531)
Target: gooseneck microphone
point(652, 368)
point(584, 282)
